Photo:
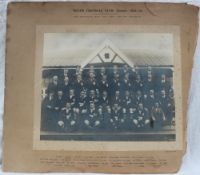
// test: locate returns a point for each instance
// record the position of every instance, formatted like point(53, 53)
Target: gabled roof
point(107, 53)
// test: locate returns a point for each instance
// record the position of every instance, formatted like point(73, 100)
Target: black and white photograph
point(108, 87)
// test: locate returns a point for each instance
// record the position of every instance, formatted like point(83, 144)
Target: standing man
point(48, 113)
point(53, 86)
point(157, 117)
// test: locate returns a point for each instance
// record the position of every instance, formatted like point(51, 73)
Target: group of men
point(117, 98)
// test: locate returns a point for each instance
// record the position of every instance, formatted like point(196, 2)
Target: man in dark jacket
point(48, 113)
point(66, 86)
point(53, 86)
point(127, 100)
point(103, 100)
point(142, 118)
point(71, 98)
point(115, 119)
point(104, 84)
point(82, 101)
point(149, 100)
point(92, 120)
point(157, 117)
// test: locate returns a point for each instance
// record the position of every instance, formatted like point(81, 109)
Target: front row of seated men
point(129, 113)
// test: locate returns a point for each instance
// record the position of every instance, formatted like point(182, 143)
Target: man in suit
point(92, 97)
point(115, 83)
point(71, 98)
point(91, 83)
point(100, 118)
point(148, 84)
point(163, 84)
point(170, 114)
point(102, 73)
point(139, 98)
point(75, 121)
point(131, 123)
point(103, 84)
point(70, 117)
point(125, 70)
point(125, 83)
point(123, 119)
point(157, 117)
point(79, 84)
point(142, 118)
point(65, 118)
point(78, 71)
point(48, 112)
point(104, 100)
point(92, 120)
point(115, 70)
point(117, 98)
point(60, 101)
point(138, 85)
point(163, 101)
point(127, 100)
point(82, 101)
point(53, 86)
point(149, 100)
point(66, 86)
point(107, 116)
point(115, 119)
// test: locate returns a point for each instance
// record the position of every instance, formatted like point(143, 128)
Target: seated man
point(72, 98)
point(139, 98)
point(104, 100)
point(116, 117)
point(69, 120)
point(117, 98)
point(65, 119)
point(75, 122)
point(149, 100)
point(142, 118)
point(101, 118)
point(91, 119)
point(60, 101)
point(107, 116)
point(127, 100)
point(131, 116)
point(92, 97)
point(123, 120)
point(82, 101)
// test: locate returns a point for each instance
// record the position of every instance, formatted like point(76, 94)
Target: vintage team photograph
point(108, 87)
